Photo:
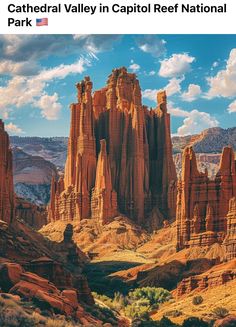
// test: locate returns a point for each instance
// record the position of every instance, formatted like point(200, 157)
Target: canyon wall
point(119, 155)
point(6, 178)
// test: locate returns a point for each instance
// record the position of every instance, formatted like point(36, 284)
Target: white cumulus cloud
point(223, 84)
point(176, 111)
point(171, 88)
point(152, 73)
point(232, 107)
point(18, 68)
point(178, 64)
point(13, 129)
point(197, 121)
point(194, 122)
point(150, 94)
point(49, 105)
point(193, 92)
point(151, 44)
point(134, 66)
point(21, 91)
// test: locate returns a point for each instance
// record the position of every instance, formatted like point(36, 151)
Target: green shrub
point(153, 294)
point(119, 301)
point(197, 300)
point(220, 312)
point(103, 298)
point(138, 304)
point(194, 322)
point(137, 310)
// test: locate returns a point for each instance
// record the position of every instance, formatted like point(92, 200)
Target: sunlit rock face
point(119, 156)
point(203, 204)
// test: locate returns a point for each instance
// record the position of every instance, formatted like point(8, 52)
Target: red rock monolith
point(6, 178)
point(134, 174)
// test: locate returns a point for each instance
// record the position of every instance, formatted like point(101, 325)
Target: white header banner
point(117, 17)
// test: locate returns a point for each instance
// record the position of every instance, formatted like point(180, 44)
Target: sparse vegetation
point(154, 295)
point(12, 314)
point(220, 312)
point(197, 300)
point(139, 303)
point(17, 313)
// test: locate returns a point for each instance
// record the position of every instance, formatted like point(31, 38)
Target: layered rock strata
point(6, 178)
point(230, 239)
point(119, 155)
point(203, 204)
point(35, 216)
point(210, 279)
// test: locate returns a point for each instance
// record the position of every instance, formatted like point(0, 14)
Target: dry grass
point(221, 296)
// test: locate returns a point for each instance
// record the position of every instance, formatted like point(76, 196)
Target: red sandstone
point(203, 204)
point(131, 171)
point(6, 178)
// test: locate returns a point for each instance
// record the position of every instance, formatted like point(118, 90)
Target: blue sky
point(39, 72)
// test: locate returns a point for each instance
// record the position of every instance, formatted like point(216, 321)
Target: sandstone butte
point(7, 205)
point(206, 209)
point(119, 156)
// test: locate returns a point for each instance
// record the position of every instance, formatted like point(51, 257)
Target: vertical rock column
point(187, 206)
point(166, 172)
point(226, 181)
point(85, 164)
point(230, 240)
point(6, 178)
point(138, 145)
point(203, 204)
point(104, 198)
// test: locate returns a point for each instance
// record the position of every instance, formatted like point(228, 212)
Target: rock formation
point(6, 178)
point(203, 204)
point(217, 275)
point(230, 240)
point(119, 155)
point(104, 199)
point(35, 216)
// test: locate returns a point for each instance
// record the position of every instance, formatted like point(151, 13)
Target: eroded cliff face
point(6, 178)
point(119, 155)
point(230, 240)
point(33, 215)
point(203, 204)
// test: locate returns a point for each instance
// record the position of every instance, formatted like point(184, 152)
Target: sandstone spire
point(6, 178)
point(73, 195)
point(140, 168)
point(210, 196)
point(104, 199)
point(230, 240)
point(163, 171)
point(209, 218)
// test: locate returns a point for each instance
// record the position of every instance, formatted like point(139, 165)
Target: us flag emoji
point(41, 21)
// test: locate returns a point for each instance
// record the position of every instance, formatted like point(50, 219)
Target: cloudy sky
point(38, 74)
